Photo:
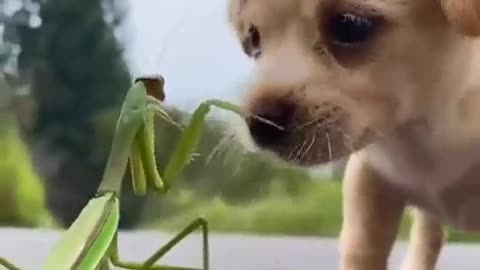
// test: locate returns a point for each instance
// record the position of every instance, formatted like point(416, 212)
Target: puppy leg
point(426, 240)
point(372, 215)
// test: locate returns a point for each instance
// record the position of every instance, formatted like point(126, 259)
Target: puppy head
point(336, 75)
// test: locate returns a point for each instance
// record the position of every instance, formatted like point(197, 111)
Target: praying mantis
point(91, 242)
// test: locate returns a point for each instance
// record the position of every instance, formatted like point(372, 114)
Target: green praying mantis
point(91, 242)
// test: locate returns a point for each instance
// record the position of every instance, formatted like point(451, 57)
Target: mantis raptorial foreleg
point(190, 138)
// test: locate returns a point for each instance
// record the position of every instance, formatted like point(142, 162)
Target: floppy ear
point(464, 15)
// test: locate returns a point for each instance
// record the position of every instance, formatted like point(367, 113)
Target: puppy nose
point(271, 118)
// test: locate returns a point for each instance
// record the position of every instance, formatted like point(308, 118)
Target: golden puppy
point(393, 84)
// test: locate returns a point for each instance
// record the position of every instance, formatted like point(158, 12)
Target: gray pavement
point(29, 248)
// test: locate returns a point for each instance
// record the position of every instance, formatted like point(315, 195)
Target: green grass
point(21, 192)
point(316, 212)
point(456, 236)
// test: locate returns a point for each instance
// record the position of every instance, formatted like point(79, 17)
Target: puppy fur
point(403, 105)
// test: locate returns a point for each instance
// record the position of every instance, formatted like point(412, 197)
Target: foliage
point(315, 210)
point(21, 191)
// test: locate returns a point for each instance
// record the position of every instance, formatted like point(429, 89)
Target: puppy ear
point(464, 15)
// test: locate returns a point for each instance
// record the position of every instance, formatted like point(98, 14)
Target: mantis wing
point(87, 241)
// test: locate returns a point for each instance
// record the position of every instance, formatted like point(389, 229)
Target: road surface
point(29, 248)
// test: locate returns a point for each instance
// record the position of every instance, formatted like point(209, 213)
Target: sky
point(190, 43)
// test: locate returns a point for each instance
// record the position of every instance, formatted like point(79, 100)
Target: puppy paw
point(414, 265)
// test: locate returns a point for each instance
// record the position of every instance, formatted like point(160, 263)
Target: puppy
point(390, 84)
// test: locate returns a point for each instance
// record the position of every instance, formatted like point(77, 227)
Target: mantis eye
point(252, 43)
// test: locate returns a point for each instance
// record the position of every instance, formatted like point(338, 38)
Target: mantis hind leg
point(149, 263)
point(8, 265)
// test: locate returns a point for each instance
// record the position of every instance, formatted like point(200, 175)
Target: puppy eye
point(348, 28)
point(252, 43)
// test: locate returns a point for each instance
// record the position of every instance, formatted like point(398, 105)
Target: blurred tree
point(21, 191)
point(77, 70)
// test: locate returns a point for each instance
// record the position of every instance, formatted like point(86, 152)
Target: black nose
point(270, 121)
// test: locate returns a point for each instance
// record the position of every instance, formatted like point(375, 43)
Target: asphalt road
point(29, 248)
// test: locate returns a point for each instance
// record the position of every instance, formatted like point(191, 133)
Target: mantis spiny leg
point(145, 174)
point(149, 263)
point(183, 151)
point(144, 170)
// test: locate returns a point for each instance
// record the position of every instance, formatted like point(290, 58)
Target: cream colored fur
point(410, 122)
